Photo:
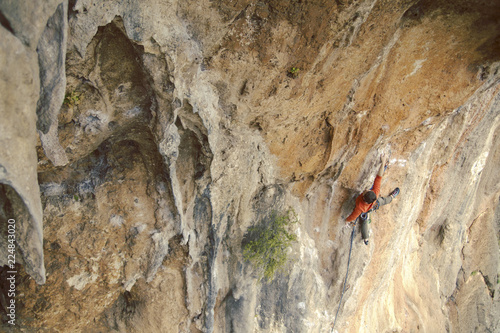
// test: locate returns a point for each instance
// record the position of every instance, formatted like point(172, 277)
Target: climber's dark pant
point(365, 218)
point(384, 200)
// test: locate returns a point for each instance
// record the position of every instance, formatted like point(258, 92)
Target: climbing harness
point(365, 217)
point(346, 274)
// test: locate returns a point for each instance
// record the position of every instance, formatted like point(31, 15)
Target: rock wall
point(166, 129)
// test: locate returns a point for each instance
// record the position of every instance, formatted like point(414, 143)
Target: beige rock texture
point(142, 139)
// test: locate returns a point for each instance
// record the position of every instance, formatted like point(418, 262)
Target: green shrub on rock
point(267, 247)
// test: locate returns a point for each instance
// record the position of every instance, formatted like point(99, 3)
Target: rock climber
point(369, 201)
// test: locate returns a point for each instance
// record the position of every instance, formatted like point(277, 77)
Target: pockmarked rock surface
point(141, 141)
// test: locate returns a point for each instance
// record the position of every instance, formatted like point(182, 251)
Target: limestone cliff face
point(142, 139)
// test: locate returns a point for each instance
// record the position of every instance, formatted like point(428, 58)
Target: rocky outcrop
point(20, 85)
point(52, 58)
point(167, 129)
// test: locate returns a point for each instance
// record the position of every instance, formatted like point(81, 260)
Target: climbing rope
point(346, 274)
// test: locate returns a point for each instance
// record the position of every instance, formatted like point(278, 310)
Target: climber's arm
point(383, 159)
point(378, 178)
point(354, 215)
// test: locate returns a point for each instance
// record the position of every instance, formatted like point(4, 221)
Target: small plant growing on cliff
point(267, 249)
point(293, 72)
point(72, 99)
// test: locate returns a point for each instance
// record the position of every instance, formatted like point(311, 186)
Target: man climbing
point(367, 201)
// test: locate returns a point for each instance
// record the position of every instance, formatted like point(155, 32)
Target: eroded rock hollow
point(141, 141)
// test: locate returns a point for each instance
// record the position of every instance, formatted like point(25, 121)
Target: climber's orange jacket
point(361, 205)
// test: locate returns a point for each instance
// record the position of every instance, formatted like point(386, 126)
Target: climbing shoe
point(395, 192)
point(366, 241)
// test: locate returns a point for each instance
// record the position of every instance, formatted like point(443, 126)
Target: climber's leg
point(388, 199)
point(384, 200)
point(365, 230)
